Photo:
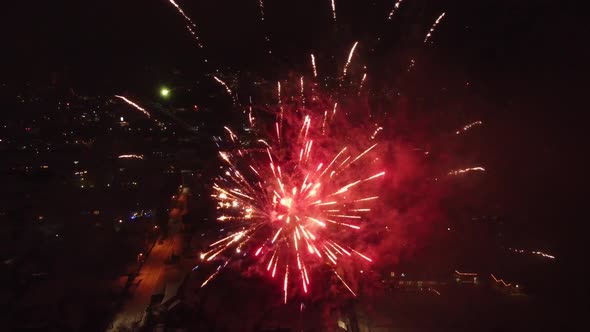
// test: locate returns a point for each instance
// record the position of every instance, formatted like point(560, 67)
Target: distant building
point(408, 283)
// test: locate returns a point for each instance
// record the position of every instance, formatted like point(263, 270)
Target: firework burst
point(299, 178)
point(294, 187)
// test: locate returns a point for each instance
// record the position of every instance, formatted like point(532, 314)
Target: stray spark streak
point(468, 126)
point(130, 156)
point(465, 170)
point(191, 27)
point(137, 107)
point(333, 4)
point(539, 253)
point(362, 81)
point(395, 8)
point(261, 6)
point(315, 72)
point(224, 85)
point(350, 54)
point(429, 34)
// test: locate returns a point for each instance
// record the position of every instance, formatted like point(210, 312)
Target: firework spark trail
point(376, 132)
point(286, 282)
point(333, 160)
point(344, 250)
point(210, 278)
point(412, 64)
point(333, 5)
point(543, 254)
point(429, 34)
point(131, 156)
point(315, 72)
point(350, 185)
point(468, 126)
point(261, 6)
point(191, 26)
point(539, 253)
point(231, 135)
point(363, 256)
point(362, 82)
point(344, 224)
point(278, 132)
point(466, 170)
point(279, 97)
point(344, 283)
point(334, 110)
point(366, 199)
point(394, 9)
point(137, 107)
point(181, 12)
point(302, 90)
point(350, 54)
point(280, 107)
point(361, 155)
point(262, 18)
point(250, 117)
point(227, 89)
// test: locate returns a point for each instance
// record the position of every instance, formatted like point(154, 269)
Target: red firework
point(294, 188)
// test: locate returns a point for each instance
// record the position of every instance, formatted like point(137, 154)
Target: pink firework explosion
point(294, 186)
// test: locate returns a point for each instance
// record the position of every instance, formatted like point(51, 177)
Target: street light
point(165, 92)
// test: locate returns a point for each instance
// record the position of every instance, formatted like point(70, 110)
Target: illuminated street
point(154, 274)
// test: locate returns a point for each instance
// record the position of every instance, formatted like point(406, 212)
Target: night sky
point(523, 58)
